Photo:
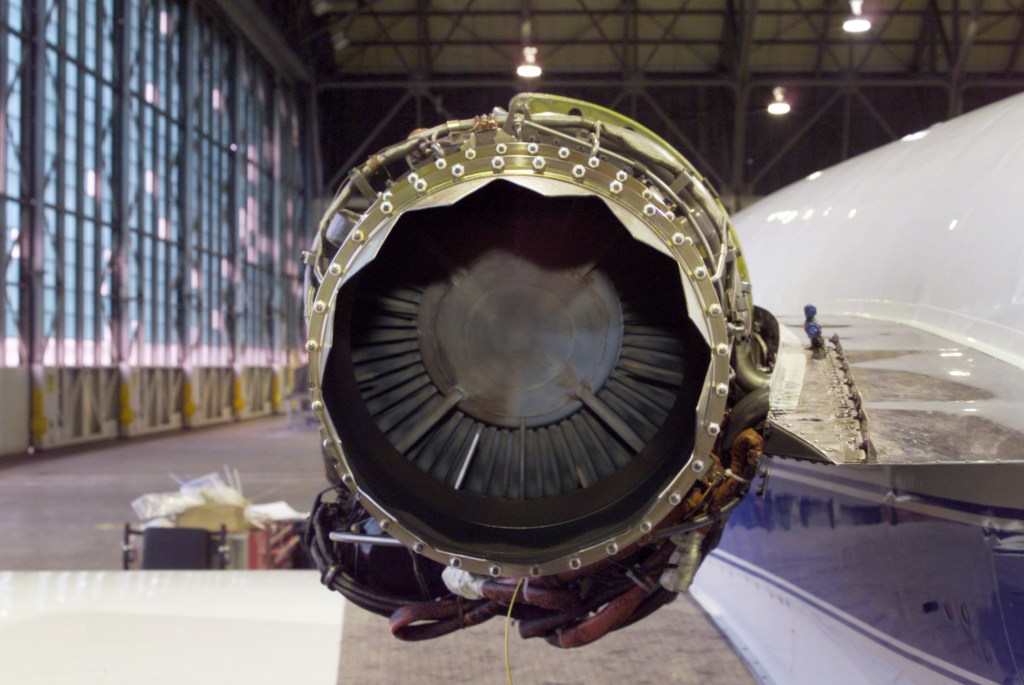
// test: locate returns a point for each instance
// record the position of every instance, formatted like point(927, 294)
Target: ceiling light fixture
point(778, 106)
point(529, 67)
point(856, 23)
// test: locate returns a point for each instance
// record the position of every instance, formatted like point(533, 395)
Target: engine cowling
point(521, 329)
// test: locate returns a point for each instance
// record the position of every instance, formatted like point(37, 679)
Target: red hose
point(426, 620)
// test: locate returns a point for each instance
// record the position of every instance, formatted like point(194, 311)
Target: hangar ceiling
point(701, 72)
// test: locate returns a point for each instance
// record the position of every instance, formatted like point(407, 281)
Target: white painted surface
point(927, 230)
point(798, 639)
point(14, 409)
point(168, 628)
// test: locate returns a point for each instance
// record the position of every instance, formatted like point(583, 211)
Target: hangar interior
point(166, 162)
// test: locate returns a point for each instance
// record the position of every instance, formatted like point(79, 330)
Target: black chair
point(176, 548)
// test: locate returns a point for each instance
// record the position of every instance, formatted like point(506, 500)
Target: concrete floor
point(66, 512)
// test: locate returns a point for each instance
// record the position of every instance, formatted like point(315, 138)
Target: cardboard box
point(212, 516)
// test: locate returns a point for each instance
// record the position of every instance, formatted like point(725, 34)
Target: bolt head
point(700, 273)
point(539, 163)
point(455, 562)
point(501, 148)
point(418, 548)
point(698, 465)
point(615, 187)
point(470, 153)
point(721, 389)
point(575, 563)
point(384, 524)
point(334, 269)
point(650, 210)
point(317, 406)
point(319, 306)
point(441, 163)
point(347, 479)
point(358, 236)
point(532, 148)
point(327, 443)
point(715, 310)
point(498, 163)
point(722, 350)
point(621, 175)
point(458, 170)
point(678, 239)
point(675, 498)
point(611, 548)
point(646, 526)
point(535, 571)
point(714, 429)
point(420, 185)
point(494, 571)
point(579, 171)
point(594, 162)
point(312, 345)
point(387, 207)
point(563, 153)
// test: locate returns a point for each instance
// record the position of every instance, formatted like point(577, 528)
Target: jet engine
point(535, 362)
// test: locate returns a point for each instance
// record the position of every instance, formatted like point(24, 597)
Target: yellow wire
point(508, 622)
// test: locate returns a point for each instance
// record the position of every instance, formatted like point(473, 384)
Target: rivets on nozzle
point(650, 210)
point(358, 236)
point(455, 562)
point(317, 406)
point(615, 187)
point(563, 153)
point(420, 185)
point(532, 148)
point(611, 548)
point(698, 465)
point(621, 176)
point(646, 527)
point(458, 170)
point(535, 571)
point(319, 306)
point(386, 207)
point(722, 350)
point(714, 429)
point(594, 162)
point(312, 346)
point(575, 564)
point(539, 163)
point(470, 153)
point(498, 163)
point(501, 148)
point(674, 499)
point(441, 163)
point(700, 273)
point(494, 571)
point(334, 269)
point(418, 548)
point(347, 479)
point(715, 309)
point(678, 239)
point(384, 524)
point(579, 171)
point(721, 389)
